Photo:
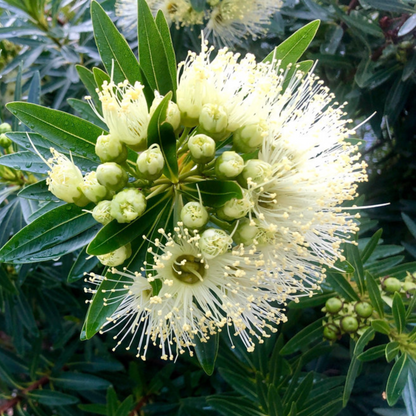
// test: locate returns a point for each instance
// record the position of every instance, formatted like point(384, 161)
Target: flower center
point(188, 269)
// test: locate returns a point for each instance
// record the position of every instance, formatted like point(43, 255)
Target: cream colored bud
point(246, 232)
point(194, 215)
point(150, 163)
point(257, 170)
point(109, 149)
point(201, 148)
point(92, 189)
point(214, 242)
point(112, 176)
point(229, 165)
point(236, 208)
point(101, 212)
point(5, 142)
point(128, 205)
point(116, 257)
point(213, 120)
point(5, 128)
point(173, 115)
point(249, 138)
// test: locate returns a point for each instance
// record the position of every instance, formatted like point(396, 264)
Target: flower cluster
point(281, 148)
point(226, 22)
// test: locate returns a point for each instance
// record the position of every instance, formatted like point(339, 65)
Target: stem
point(183, 137)
point(129, 169)
point(157, 191)
point(187, 174)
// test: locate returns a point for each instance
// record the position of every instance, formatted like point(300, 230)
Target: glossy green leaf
point(304, 67)
point(244, 386)
point(112, 401)
point(214, 193)
point(88, 80)
point(160, 132)
point(391, 350)
point(289, 51)
point(233, 406)
point(262, 391)
point(58, 232)
point(399, 271)
point(100, 77)
point(25, 161)
point(341, 285)
point(25, 314)
point(114, 50)
point(52, 398)
point(83, 264)
point(275, 402)
point(390, 6)
point(87, 113)
point(97, 409)
point(125, 407)
point(397, 379)
point(372, 353)
point(374, 294)
point(411, 225)
point(6, 282)
point(325, 402)
point(381, 326)
point(80, 381)
point(353, 256)
point(371, 245)
point(399, 312)
point(38, 191)
point(381, 266)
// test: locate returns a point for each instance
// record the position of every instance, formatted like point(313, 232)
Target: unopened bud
point(229, 165)
point(194, 215)
point(150, 163)
point(5, 142)
point(213, 120)
point(128, 205)
point(349, 324)
point(173, 115)
point(257, 170)
point(391, 284)
point(236, 208)
point(101, 212)
point(116, 257)
point(333, 305)
point(92, 189)
point(246, 232)
point(109, 149)
point(5, 128)
point(363, 309)
point(214, 242)
point(249, 138)
point(409, 286)
point(331, 332)
point(112, 176)
point(201, 148)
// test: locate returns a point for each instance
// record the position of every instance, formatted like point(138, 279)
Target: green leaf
point(372, 353)
point(400, 271)
point(262, 388)
point(390, 6)
point(371, 245)
point(381, 266)
point(52, 398)
point(100, 77)
point(5, 281)
point(58, 232)
point(233, 406)
point(83, 264)
point(125, 407)
point(340, 284)
point(155, 58)
point(80, 381)
point(114, 50)
point(115, 235)
point(275, 402)
point(72, 133)
point(397, 379)
point(353, 256)
point(374, 294)
point(304, 337)
point(243, 385)
point(391, 350)
point(323, 404)
point(97, 409)
point(358, 21)
point(88, 80)
point(25, 314)
point(161, 132)
point(289, 51)
point(411, 225)
point(207, 352)
point(399, 312)
point(86, 112)
point(214, 193)
point(26, 161)
point(381, 326)
point(38, 191)
point(315, 300)
point(112, 402)
point(301, 393)
point(303, 67)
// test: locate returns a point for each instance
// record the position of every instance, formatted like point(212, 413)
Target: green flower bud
point(173, 115)
point(109, 149)
point(257, 170)
point(213, 120)
point(128, 205)
point(409, 286)
point(194, 215)
point(349, 324)
point(214, 242)
point(331, 332)
point(5, 142)
point(333, 305)
point(5, 128)
point(150, 163)
point(101, 212)
point(363, 309)
point(92, 189)
point(236, 208)
point(246, 232)
point(391, 284)
point(201, 148)
point(112, 176)
point(116, 257)
point(249, 138)
point(229, 165)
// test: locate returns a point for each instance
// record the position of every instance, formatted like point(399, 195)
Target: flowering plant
point(218, 185)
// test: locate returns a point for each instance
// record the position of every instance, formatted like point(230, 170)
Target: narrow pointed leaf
point(374, 293)
point(207, 352)
point(397, 379)
point(371, 245)
point(399, 312)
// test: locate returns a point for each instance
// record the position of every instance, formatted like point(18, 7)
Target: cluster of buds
point(344, 317)
point(390, 285)
point(5, 142)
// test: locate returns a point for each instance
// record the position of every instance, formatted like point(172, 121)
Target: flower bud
point(109, 149)
point(194, 215)
point(65, 179)
point(392, 284)
point(116, 257)
point(409, 286)
point(258, 170)
point(201, 148)
point(349, 324)
point(363, 309)
point(246, 232)
point(213, 120)
point(5, 142)
point(112, 176)
point(101, 212)
point(5, 128)
point(92, 189)
point(333, 305)
point(331, 332)
point(173, 115)
point(214, 242)
point(229, 165)
point(236, 208)
point(128, 205)
point(249, 138)
point(150, 163)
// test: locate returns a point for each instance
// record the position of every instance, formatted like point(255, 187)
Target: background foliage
point(366, 54)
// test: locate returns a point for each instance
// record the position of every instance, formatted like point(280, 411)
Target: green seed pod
point(5, 142)
point(128, 205)
point(202, 148)
point(194, 215)
point(5, 128)
point(101, 212)
point(333, 305)
point(229, 165)
point(112, 176)
point(391, 284)
point(116, 257)
point(349, 324)
point(363, 309)
point(109, 149)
